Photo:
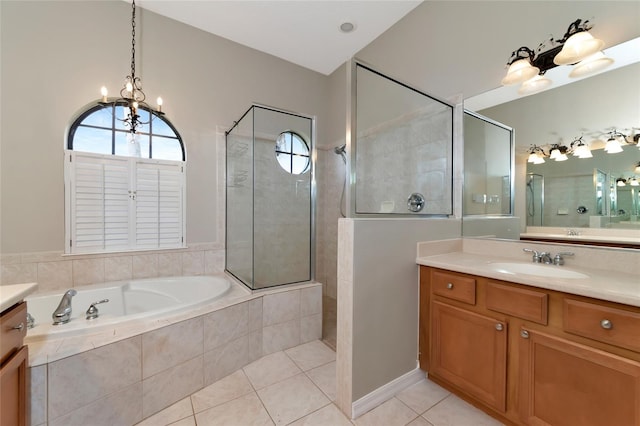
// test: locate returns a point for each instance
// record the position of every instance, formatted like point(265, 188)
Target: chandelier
point(132, 97)
point(577, 47)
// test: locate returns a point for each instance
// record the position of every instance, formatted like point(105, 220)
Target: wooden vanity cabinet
point(13, 367)
point(532, 356)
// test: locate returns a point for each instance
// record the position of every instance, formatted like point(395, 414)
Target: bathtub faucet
point(62, 314)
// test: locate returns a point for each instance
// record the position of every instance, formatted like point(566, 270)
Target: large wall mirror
point(580, 193)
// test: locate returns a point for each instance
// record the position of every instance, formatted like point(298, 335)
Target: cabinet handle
point(606, 324)
point(449, 286)
point(524, 334)
point(499, 327)
point(18, 327)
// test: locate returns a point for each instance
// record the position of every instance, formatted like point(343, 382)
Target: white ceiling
point(305, 32)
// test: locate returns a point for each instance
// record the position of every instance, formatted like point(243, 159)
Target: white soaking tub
point(128, 300)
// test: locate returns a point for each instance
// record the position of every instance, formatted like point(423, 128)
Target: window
point(292, 153)
point(123, 193)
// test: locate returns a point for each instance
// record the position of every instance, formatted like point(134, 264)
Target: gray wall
point(55, 57)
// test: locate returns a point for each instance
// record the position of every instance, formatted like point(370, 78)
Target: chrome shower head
point(340, 149)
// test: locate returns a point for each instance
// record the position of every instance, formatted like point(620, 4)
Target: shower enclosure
point(269, 198)
point(535, 199)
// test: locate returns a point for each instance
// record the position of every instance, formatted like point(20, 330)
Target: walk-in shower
point(535, 199)
point(270, 198)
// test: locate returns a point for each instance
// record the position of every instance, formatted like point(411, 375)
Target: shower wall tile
point(225, 325)
point(169, 264)
point(145, 265)
point(280, 336)
point(214, 262)
point(280, 307)
point(193, 263)
point(172, 345)
point(118, 268)
point(88, 271)
point(224, 360)
point(120, 408)
point(310, 301)
point(55, 275)
point(169, 386)
point(37, 391)
point(80, 379)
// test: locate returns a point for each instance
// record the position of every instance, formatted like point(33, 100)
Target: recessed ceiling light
point(347, 27)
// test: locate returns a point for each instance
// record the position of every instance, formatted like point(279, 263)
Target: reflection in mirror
point(590, 108)
point(488, 163)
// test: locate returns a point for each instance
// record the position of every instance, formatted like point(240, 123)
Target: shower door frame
point(312, 197)
point(351, 138)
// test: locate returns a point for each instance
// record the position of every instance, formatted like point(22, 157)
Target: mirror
point(589, 108)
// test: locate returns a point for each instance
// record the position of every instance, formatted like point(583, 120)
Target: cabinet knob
point(524, 334)
point(18, 327)
point(606, 324)
point(499, 327)
point(449, 286)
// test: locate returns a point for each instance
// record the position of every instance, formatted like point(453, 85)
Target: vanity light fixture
point(580, 149)
point(633, 181)
point(131, 95)
point(577, 46)
point(536, 155)
point(621, 182)
point(637, 168)
point(614, 142)
point(558, 152)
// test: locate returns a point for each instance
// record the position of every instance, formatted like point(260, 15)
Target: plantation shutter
point(159, 205)
point(121, 203)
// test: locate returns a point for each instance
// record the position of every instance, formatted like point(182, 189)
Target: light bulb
point(590, 65)
point(129, 87)
point(159, 102)
point(577, 47)
point(104, 93)
point(519, 71)
point(561, 157)
point(555, 153)
point(613, 146)
point(532, 157)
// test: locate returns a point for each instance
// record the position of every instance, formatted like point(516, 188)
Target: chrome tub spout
point(62, 314)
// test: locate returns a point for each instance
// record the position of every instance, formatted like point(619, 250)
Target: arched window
point(123, 191)
point(292, 153)
point(101, 130)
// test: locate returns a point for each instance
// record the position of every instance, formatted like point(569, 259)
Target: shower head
point(340, 149)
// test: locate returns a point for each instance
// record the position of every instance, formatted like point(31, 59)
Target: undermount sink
point(551, 271)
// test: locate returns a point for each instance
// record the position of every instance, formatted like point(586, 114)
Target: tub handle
point(92, 312)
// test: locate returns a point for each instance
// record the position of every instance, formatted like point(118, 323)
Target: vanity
point(14, 354)
point(531, 344)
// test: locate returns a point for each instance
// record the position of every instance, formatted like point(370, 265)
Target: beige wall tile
point(118, 268)
point(225, 325)
point(172, 345)
point(80, 379)
point(280, 307)
point(193, 263)
point(171, 385)
point(88, 271)
point(38, 394)
point(120, 408)
point(55, 275)
point(18, 273)
point(310, 301)
point(280, 336)
point(169, 264)
point(255, 345)
point(255, 314)
point(224, 360)
point(145, 266)
point(310, 328)
point(213, 262)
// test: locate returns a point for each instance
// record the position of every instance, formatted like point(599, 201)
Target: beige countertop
point(619, 284)
point(585, 237)
point(14, 293)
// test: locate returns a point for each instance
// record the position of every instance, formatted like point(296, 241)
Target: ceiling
point(304, 32)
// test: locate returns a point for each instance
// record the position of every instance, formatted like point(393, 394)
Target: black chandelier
point(132, 97)
point(577, 47)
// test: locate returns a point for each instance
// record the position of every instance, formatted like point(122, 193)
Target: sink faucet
point(62, 314)
point(546, 258)
point(559, 260)
point(536, 255)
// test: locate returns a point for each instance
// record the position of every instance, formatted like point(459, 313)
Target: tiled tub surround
point(124, 375)
point(613, 273)
point(56, 271)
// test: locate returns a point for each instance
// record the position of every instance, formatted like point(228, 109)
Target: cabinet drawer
point(518, 302)
point(13, 329)
point(454, 286)
point(609, 325)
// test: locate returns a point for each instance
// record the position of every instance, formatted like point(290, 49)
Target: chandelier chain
point(133, 40)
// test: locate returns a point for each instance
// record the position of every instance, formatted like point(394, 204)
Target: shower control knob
point(415, 202)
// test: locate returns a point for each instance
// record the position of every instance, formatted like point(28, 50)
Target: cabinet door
point(470, 351)
point(565, 383)
point(13, 389)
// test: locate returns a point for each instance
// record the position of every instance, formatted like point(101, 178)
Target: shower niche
point(269, 202)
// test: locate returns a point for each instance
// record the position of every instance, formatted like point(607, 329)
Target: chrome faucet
point(62, 314)
point(546, 258)
point(559, 260)
point(536, 255)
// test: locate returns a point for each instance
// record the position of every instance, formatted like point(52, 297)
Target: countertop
point(14, 293)
point(581, 237)
point(613, 286)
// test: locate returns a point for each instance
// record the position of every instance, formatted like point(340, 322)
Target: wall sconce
point(614, 142)
point(580, 149)
point(637, 168)
point(558, 152)
point(633, 181)
point(621, 182)
point(537, 154)
point(577, 46)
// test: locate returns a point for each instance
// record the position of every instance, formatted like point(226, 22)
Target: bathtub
point(128, 300)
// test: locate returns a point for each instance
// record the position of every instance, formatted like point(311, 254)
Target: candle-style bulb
point(129, 87)
point(159, 101)
point(104, 93)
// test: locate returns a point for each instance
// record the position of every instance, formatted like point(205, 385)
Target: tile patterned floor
point(297, 387)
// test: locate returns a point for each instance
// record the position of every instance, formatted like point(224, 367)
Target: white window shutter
point(99, 203)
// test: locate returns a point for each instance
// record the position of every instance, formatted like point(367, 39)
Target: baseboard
point(385, 392)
